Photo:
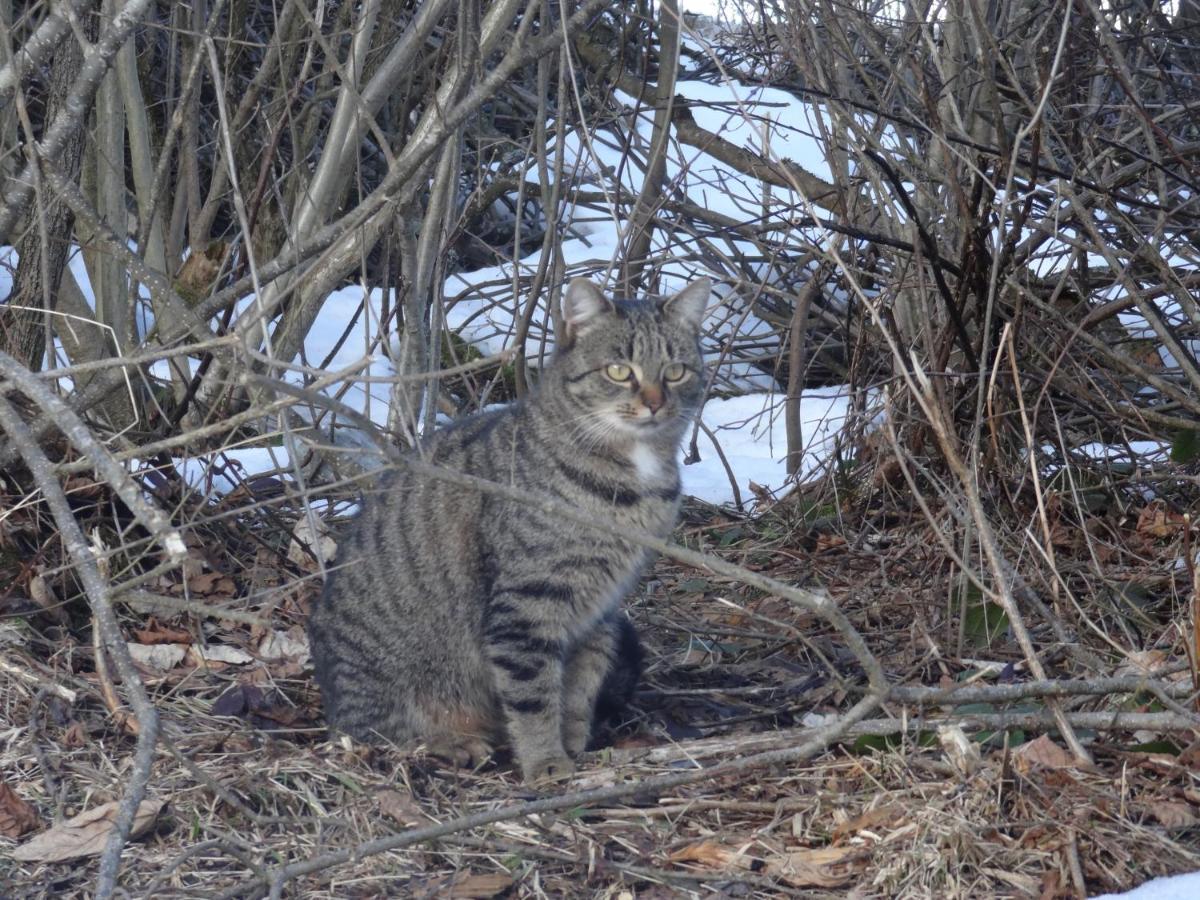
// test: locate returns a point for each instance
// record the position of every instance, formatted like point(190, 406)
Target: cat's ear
point(582, 303)
point(687, 307)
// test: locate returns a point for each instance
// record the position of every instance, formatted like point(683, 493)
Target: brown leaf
point(826, 867)
point(480, 887)
point(154, 633)
point(401, 807)
point(75, 735)
point(85, 834)
point(16, 816)
point(762, 494)
point(829, 542)
point(1173, 814)
point(1189, 756)
point(198, 272)
point(1157, 521)
point(711, 855)
point(41, 592)
point(871, 819)
point(1142, 662)
point(1042, 752)
point(212, 584)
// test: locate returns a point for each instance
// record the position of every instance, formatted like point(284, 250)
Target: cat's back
point(413, 518)
point(417, 535)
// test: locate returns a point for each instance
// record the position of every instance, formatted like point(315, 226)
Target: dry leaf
point(75, 735)
point(1189, 756)
point(1142, 662)
point(826, 867)
point(711, 855)
point(285, 645)
point(762, 494)
point(829, 542)
point(157, 657)
point(16, 816)
point(158, 634)
point(1042, 752)
point(85, 834)
point(1173, 814)
point(401, 807)
point(962, 752)
point(871, 819)
point(218, 653)
point(42, 593)
point(303, 549)
point(1157, 521)
point(212, 584)
point(198, 272)
point(479, 887)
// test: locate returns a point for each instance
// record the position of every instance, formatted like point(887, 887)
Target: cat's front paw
point(576, 734)
point(554, 768)
point(464, 751)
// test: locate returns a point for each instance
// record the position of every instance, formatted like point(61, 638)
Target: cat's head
point(630, 368)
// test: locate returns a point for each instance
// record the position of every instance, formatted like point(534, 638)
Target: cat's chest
point(649, 467)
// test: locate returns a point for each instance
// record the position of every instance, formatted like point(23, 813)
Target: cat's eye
point(675, 372)
point(618, 372)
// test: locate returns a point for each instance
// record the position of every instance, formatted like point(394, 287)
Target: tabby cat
point(460, 617)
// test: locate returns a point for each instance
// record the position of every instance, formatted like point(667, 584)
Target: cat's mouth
point(641, 423)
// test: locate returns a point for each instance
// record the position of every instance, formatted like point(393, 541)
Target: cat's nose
point(652, 398)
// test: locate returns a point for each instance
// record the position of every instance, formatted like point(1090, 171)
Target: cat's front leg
point(527, 669)
point(585, 674)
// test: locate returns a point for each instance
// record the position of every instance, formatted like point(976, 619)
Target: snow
point(214, 474)
point(1177, 887)
point(8, 269)
point(752, 435)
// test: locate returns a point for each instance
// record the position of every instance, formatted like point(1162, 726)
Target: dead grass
point(883, 816)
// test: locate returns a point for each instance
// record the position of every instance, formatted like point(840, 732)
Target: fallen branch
point(768, 741)
point(999, 693)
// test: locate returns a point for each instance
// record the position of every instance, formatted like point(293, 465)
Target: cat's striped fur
point(458, 617)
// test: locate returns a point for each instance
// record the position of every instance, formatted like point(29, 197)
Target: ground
point(247, 779)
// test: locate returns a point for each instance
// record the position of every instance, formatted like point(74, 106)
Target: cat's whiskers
point(592, 434)
point(591, 428)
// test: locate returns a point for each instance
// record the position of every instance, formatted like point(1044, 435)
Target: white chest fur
point(647, 463)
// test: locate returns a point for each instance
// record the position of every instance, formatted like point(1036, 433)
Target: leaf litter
point(925, 814)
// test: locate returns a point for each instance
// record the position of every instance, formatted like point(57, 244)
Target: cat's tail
point(624, 674)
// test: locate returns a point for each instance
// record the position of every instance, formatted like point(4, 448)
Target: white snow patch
point(753, 437)
point(1177, 887)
